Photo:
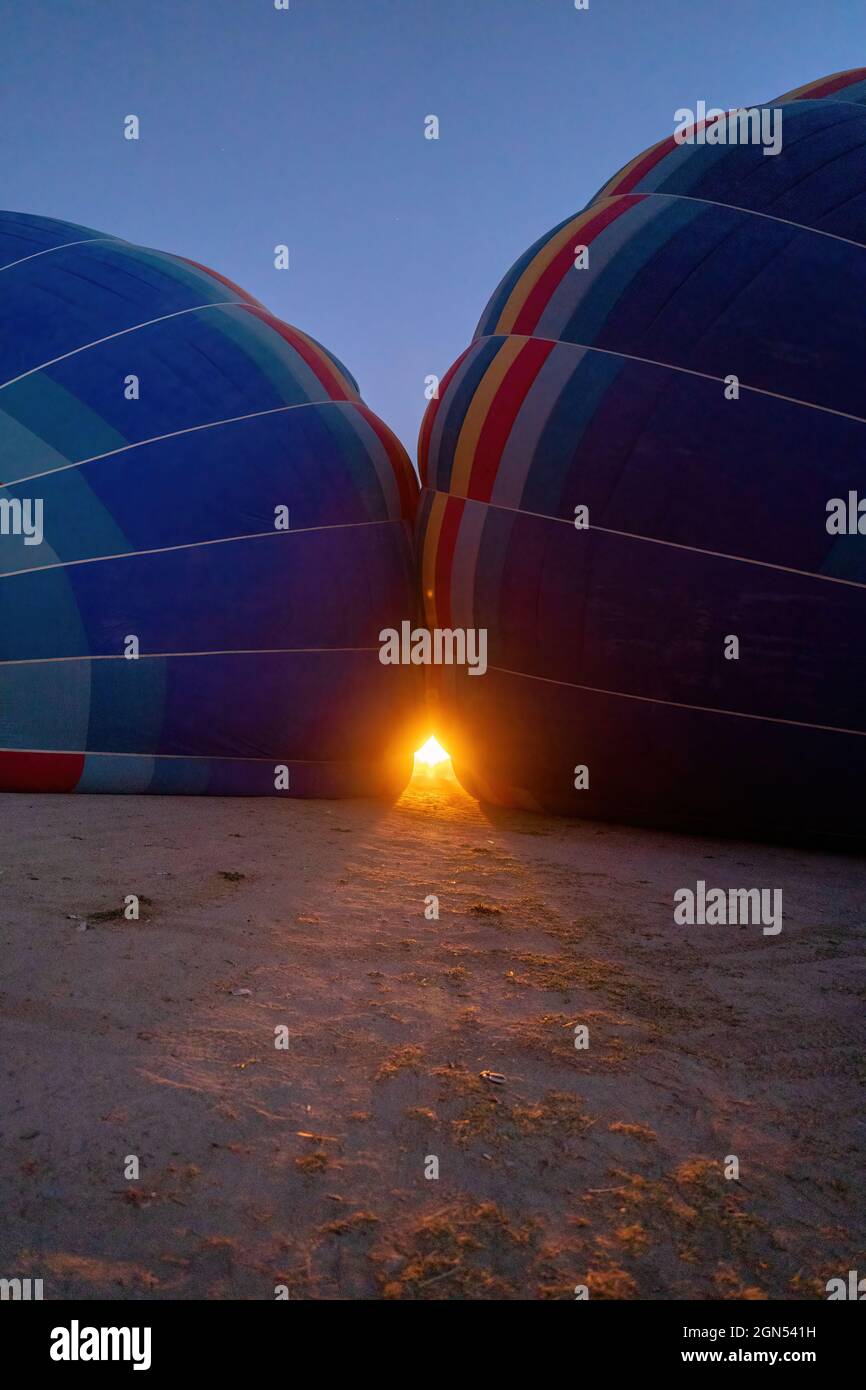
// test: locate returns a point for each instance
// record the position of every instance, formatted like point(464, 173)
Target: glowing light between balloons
point(431, 754)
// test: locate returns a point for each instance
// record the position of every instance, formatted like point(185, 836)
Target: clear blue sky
point(306, 127)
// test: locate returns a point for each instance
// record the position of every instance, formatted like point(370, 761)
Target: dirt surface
point(305, 1167)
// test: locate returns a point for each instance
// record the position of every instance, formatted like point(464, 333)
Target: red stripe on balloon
point(39, 772)
point(430, 416)
point(834, 84)
point(509, 398)
point(649, 161)
point(445, 557)
point(317, 363)
point(407, 483)
point(541, 292)
point(223, 280)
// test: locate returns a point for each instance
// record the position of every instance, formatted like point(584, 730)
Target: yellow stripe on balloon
point(429, 554)
point(536, 268)
point(473, 421)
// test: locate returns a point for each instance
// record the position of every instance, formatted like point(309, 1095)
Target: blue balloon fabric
point(630, 478)
point(204, 530)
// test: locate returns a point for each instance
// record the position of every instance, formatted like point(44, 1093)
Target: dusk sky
point(306, 127)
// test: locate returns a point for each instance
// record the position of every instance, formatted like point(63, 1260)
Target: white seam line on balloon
point(121, 332)
point(187, 757)
point(751, 212)
point(162, 656)
point(681, 704)
point(175, 434)
point(655, 540)
point(249, 300)
point(196, 545)
point(47, 250)
point(503, 670)
point(673, 367)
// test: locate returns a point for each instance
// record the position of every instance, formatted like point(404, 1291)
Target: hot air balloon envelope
point(225, 528)
point(629, 479)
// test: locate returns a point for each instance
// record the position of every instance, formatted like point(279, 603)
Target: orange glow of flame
point(431, 755)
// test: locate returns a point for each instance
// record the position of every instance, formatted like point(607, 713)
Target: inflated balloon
point(636, 479)
point(203, 530)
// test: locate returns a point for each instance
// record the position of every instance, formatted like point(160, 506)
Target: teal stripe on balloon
point(40, 711)
point(290, 376)
point(54, 415)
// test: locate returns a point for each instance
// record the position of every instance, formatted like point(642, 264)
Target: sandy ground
point(305, 1167)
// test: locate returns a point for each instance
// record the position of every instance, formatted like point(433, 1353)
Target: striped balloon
point(695, 380)
point(214, 495)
